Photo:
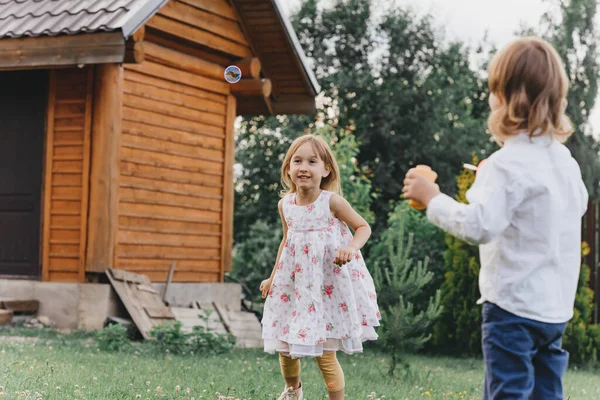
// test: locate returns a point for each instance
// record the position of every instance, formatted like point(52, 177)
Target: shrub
point(113, 338)
point(403, 329)
point(458, 331)
point(170, 338)
point(580, 338)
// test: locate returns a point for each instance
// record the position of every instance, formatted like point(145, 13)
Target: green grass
point(71, 367)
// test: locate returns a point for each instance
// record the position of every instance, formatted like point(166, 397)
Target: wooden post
point(227, 209)
point(104, 179)
point(47, 189)
point(85, 184)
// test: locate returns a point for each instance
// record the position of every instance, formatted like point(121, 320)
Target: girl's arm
point(265, 286)
point(362, 231)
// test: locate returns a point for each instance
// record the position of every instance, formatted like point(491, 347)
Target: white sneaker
point(292, 394)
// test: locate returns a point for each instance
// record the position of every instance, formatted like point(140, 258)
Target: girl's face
point(306, 168)
point(494, 102)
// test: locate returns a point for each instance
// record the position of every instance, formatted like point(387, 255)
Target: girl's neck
point(306, 197)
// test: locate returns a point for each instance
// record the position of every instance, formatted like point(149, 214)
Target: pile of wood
point(16, 306)
point(147, 308)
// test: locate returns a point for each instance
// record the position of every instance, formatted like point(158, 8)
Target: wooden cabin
point(117, 137)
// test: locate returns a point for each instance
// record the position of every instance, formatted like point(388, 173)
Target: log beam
point(250, 67)
point(252, 87)
point(134, 52)
point(185, 62)
point(104, 177)
point(88, 48)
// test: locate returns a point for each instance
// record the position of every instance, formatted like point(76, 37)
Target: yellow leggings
point(328, 364)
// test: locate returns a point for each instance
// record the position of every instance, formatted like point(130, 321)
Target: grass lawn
point(71, 367)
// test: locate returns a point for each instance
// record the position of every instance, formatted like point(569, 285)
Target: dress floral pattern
point(315, 305)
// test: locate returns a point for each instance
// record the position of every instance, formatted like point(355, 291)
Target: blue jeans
point(523, 358)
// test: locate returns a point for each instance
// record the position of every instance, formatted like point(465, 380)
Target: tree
point(404, 328)
point(419, 102)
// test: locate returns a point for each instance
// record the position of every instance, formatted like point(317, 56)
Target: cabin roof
point(30, 18)
point(270, 33)
point(275, 60)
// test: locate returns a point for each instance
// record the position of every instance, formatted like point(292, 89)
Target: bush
point(203, 340)
point(580, 339)
point(171, 339)
point(113, 338)
point(428, 242)
point(403, 329)
point(458, 331)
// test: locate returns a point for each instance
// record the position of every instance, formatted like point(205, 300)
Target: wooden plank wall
point(212, 24)
point(172, 174)
point(176, 184)
point(67, 175)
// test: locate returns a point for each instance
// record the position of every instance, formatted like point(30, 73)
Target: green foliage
point(580, 338)
point(171, 339)
point(419, 102)
point(113, 338)
point(458, 331)
point(403, 328)
point(203, 340)
point(428, 243)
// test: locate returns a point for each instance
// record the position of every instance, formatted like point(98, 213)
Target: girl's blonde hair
point(530, 82)
point(331, 182)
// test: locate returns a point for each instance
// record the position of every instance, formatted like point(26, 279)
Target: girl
point(321, 297)
point(524, 211)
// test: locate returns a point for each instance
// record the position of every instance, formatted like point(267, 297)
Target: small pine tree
point(458, 330)
point(403, 329)
point(579, 339)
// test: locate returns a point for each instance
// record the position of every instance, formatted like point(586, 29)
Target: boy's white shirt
point(525, 209)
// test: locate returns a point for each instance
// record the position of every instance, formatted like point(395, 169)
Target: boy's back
point(532, 267)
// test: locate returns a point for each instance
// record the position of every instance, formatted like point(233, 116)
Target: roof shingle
point(20, 18)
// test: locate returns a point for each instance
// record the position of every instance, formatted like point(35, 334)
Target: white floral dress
point(315, 305)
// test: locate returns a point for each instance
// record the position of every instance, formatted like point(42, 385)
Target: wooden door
point(23, 101)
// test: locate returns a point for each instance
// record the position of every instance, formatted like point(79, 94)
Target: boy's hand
point(265, 286)
point(344, 255)
point(417, 188)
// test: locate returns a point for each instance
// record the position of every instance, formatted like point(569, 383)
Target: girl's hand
point(343, 256)
point(265, 286)
point(416, 187)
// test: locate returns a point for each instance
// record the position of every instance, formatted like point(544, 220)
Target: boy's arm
point(493, 199)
